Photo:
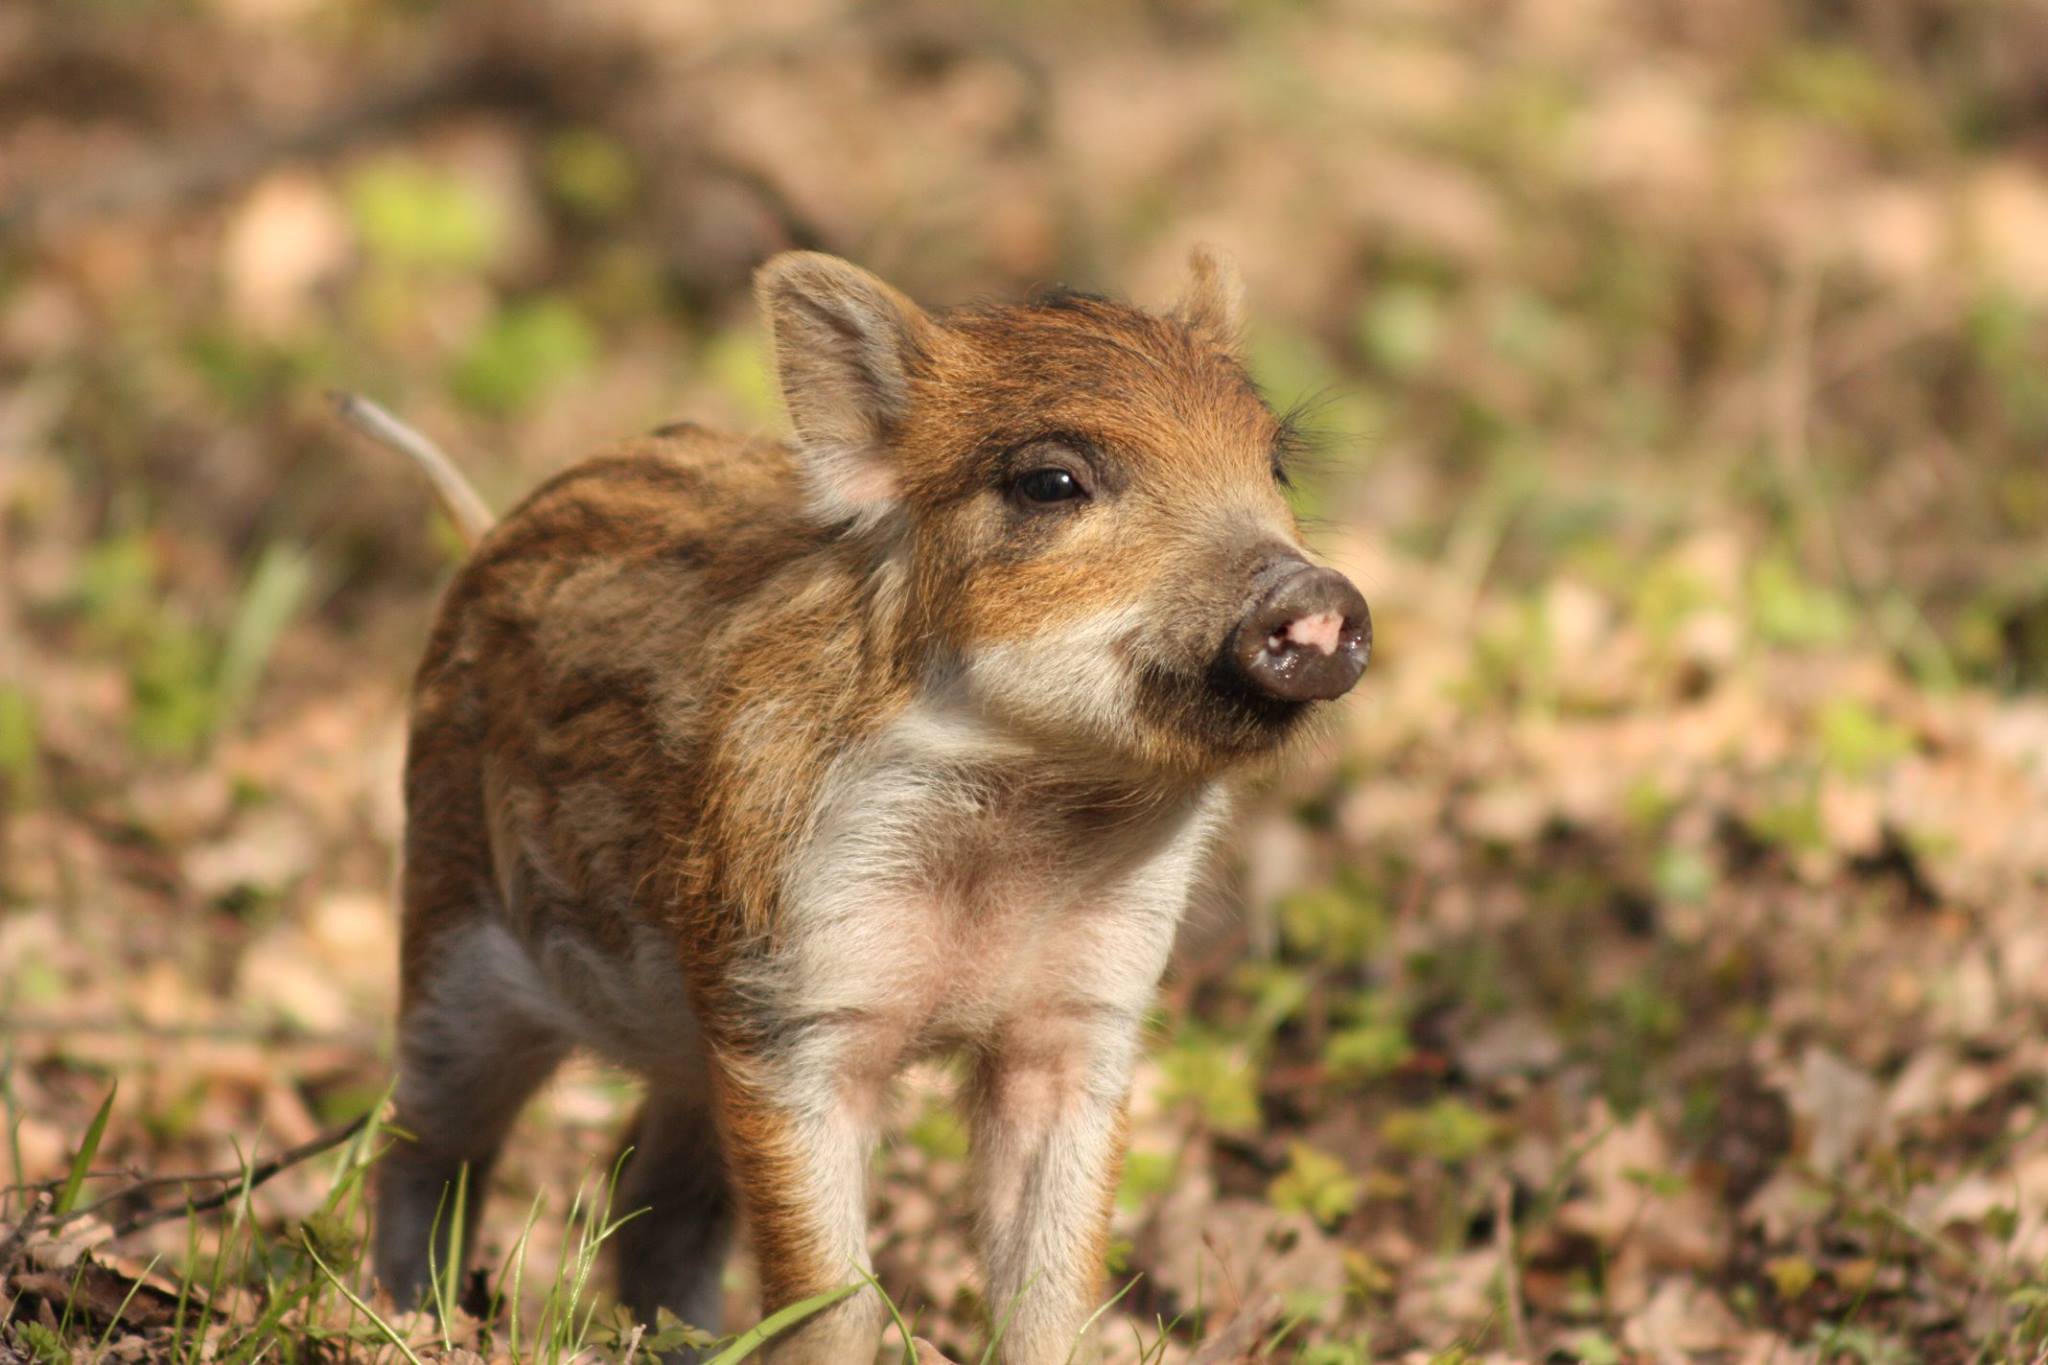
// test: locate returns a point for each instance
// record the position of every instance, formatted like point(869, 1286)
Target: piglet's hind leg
point(671, 1251)
point(470, 1054)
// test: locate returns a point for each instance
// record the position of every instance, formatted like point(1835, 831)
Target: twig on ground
point(235, 1181)
point(31, 1218)
point(1234, 1343)
point(275, 1034)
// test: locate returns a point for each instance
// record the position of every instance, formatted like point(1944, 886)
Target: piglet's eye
point(1049, 485)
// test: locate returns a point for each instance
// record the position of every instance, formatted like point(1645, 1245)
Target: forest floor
point(1652, 963)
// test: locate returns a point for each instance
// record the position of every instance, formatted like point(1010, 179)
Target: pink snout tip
point(1306, 637)
point(1319, 630)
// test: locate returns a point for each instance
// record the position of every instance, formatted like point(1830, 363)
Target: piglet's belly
point(961, 974)
point(925, 973)
point(629, 1003)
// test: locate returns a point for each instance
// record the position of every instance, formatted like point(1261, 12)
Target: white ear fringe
point(847, 484)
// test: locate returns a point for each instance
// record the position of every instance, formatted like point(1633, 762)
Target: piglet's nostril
point(1319, 630)
point(1306, 637)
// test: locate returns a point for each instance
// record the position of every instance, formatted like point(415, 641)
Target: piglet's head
point(1086, 503)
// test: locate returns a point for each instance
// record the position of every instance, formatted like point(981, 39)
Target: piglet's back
point(566, 708)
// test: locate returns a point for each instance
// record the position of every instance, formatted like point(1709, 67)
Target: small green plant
point(1317, 1184)
point(411, 215)
point(18, 754)
point(1147, 1176)
point(1210, 1075)
point(1856, 741)
point(1791, 822)
point(590, 174)
point(1335, 1353)
point(1340, 923)
point(1595, 1348)
point(276, 589)
point(1683, 875)
point(525, 350)
point(43, 1343)
point(188, 681)
point(1367, 1051)
point(1790, 610)
point(1449, 1131)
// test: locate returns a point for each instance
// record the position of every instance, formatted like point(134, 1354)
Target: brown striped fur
point(763, 767)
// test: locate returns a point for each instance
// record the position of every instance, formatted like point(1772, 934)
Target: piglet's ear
point(1212, 304)
point(845, 347)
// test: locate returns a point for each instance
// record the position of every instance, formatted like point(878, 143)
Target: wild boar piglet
point(763, 768)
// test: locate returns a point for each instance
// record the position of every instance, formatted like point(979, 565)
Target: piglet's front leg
point(799, 1127)
point(1049, 1119)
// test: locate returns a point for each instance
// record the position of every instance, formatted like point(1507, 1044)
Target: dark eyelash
point(1297, 439)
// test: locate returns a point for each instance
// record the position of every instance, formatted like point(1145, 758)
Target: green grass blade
point(390, 1333)
point(276, 588)
point(187, 1274)
point(751, 1340)
point(126, 1299)
point(1108, 1304)
point(597, 1230)
point(447, 1279)
point(895, 1315)
point(515, 1262)
point(263, 1334)
point(71, 1298)
point(1002, 1324)
point(12, 1113)
point(74, 1181)
point(550, 1334)
point(215, 1279)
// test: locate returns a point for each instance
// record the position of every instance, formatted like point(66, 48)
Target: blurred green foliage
point(188, 676)
point(1210, 1075)
point(1856, 741)
point(1317, 1184)
point(526, 349)
point(591, 174)
point(412, 216)
point(18, 757)
point(1448, 1130)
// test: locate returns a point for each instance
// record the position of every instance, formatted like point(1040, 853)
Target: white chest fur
point(946, 894)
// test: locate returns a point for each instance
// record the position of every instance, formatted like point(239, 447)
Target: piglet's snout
point(1307, 637)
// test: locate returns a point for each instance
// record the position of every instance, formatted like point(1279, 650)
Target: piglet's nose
point(1306, 639)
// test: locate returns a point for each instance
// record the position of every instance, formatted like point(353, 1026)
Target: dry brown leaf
point(1839, 1108)
point(1681, 1320)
